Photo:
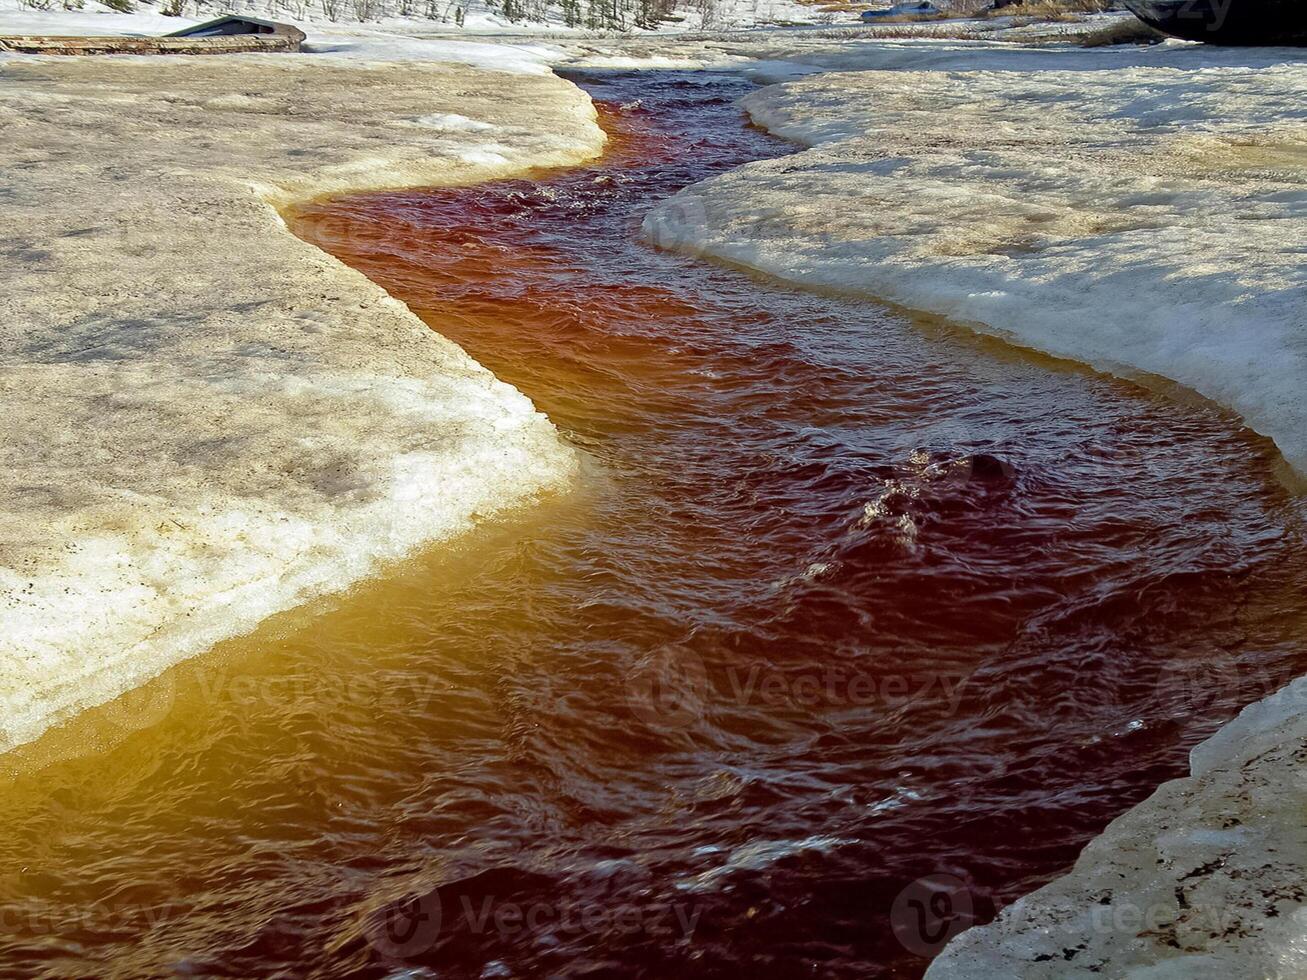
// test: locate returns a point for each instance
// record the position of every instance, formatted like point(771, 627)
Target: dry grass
point(1054, 10)
point(945, 29)
point(966, 23)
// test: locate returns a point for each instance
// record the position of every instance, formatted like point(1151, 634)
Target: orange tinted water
point(843, 602)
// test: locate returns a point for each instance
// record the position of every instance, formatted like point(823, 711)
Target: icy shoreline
point(210, 421)
point(1143, 213)
point(1202, 879)
point(1142, 220)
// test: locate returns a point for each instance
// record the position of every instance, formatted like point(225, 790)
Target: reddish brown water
point(844, 602)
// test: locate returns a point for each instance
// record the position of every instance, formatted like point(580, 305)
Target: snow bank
point(375, 46)
point(208, 420)
point(399, 21)
point(1204, 879)
point(1147, 219)
point(92, 19)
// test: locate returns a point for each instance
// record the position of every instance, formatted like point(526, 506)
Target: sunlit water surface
point(843, 601)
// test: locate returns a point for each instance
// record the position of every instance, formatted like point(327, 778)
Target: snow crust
point(1203, 879)
point(1143, 212)
point(377, 46)
point(453, 122)
point(207, 420)
point(93, 19)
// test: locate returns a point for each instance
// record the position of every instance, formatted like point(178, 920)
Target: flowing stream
point(856, 628)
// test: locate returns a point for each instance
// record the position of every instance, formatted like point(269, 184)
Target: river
point(856, 628)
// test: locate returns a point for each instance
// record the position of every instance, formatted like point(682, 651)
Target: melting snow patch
point(452, 122)
point(489, 155)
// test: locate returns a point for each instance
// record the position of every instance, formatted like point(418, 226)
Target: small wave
point(755, 856)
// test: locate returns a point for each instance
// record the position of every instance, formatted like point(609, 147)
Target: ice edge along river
point(208, 420)
point(1140, 212)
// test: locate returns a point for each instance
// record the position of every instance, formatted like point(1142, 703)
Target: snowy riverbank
point(210, 421)
point(1141, 211)
point(1203, 879)
point(1143, 218)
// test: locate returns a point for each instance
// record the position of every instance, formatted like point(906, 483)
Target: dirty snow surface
point(1203, 879)
point(207, 420)
point(1142, 212)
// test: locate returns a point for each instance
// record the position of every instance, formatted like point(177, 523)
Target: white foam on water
point(755, 856)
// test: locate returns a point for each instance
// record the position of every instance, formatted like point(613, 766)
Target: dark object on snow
point(226, 35)
point(229, 26)
point(911, 8)
point(1241, 22)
